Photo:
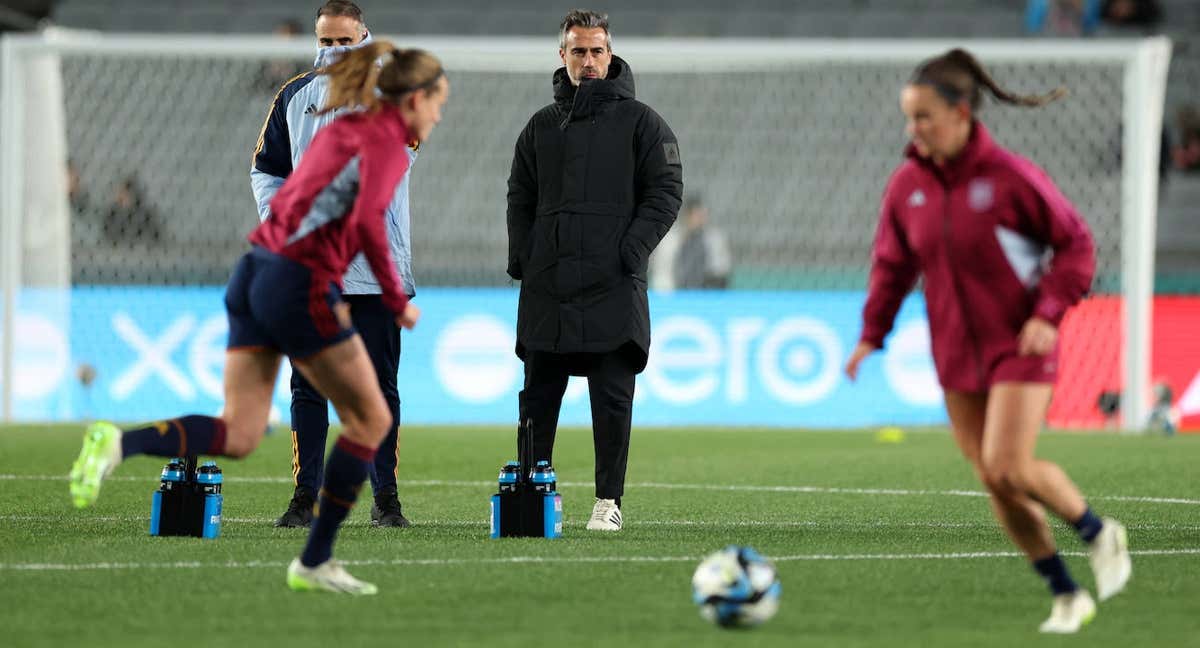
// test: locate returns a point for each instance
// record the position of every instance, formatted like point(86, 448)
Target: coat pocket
point(600, 249)
point(541, 250)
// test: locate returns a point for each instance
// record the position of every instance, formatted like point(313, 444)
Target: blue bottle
point(172, 481)
point(509, 483)
point(208, 480)
point(543, 481)
point(542, 478)
point(510, 476)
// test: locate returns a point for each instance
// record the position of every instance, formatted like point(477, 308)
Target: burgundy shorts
point(1018, 368)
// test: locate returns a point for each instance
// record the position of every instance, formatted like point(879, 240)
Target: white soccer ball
point(736, 588)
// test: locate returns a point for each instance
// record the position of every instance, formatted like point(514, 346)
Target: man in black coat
point(596, 182)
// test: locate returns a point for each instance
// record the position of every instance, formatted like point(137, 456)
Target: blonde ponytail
point(354, 77)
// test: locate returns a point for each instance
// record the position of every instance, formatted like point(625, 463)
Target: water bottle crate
point(527, 514)
point(527, 504)
point(188, 500)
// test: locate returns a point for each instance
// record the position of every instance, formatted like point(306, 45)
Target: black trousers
point(611, 378)
point(310, 411)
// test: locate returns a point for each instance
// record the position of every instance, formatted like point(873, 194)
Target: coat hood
point(591, 94)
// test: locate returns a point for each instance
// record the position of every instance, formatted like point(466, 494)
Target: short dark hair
point(693, 202)
point(586, 19)
point(341, 8)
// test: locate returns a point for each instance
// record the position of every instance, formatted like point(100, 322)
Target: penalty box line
point(512, 560)
point(734, 488)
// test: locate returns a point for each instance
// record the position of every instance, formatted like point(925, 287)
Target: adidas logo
point(311, 110)
point(916, 199)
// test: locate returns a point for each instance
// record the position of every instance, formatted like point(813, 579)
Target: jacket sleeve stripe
point(272, 153)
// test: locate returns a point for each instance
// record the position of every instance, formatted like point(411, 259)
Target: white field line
point(714, 524)
point(402, 562)
point(828, 490)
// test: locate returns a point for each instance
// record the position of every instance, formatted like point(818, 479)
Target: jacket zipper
point(587, 173)
point(958, 291)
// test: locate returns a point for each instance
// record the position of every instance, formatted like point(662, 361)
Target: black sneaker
point(299, 511)
point(386, 511)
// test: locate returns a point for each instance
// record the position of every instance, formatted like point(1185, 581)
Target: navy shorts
point(274, 303)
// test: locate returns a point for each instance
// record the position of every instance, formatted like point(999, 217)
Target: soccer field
point(876, 544)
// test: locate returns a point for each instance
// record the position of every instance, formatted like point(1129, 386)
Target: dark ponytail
point(355, 77)
point(958, 76)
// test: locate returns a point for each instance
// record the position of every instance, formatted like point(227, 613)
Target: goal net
point(787, 144)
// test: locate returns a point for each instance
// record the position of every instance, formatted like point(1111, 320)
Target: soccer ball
point(736, 588)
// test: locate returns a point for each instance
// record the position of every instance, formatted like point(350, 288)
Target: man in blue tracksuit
point(289, 128)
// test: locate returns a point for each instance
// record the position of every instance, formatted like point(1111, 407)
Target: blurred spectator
point(666, 265)
point(81, 202)
point(85, 219)
point(703, 259)
point(1131, 13)
point(1062, 17)
point(1186, 154)
point(23, 15)
point(275, 73)
point(287, 28)
point(1084, 17)
point(129, 219)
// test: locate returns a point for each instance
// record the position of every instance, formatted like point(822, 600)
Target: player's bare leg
point(1023, 519)
point(1015, 415)
point(343, 373)
point(249, 387)
point(249, 382)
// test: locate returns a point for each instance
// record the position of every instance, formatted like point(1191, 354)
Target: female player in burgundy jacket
point(284, 298)
point(1003, 255)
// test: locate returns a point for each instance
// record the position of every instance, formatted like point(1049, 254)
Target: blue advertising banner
point(718, 358)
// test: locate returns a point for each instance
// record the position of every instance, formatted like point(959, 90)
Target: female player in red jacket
point(284, 298)
point(1003, 254)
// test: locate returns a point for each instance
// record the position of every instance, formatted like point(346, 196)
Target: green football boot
point(101, 453)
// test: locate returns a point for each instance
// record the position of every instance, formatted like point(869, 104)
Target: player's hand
point(859, 354)
point(409, 317)
point(1037, 337)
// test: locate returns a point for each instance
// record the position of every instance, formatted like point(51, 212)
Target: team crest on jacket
point(916, 199)
point(981, 194)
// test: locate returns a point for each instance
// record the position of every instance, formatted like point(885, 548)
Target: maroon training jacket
point(332, 205)
point(996, 242)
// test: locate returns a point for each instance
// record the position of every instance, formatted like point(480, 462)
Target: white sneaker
point(606, 516)
point(329, 576)
point(1109, 556)
point(1069, 613)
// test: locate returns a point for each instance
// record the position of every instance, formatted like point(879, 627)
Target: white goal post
point(850, 71)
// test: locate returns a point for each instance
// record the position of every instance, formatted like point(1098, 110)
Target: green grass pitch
point(876, 544)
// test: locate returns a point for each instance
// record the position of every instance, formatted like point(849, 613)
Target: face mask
point(329, 55)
